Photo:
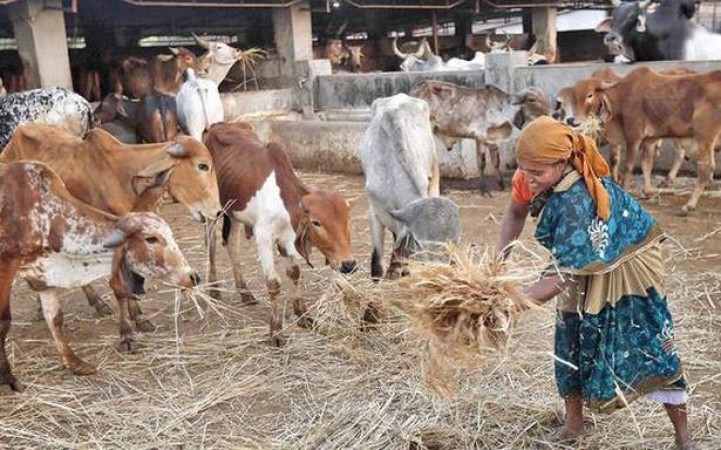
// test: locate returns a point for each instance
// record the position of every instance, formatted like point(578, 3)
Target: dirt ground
point(182, 406)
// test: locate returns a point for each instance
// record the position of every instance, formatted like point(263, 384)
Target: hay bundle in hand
point(467, 305)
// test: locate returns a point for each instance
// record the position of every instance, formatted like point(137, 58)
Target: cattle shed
point(52, 40)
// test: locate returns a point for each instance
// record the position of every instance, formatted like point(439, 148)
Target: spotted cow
point(55, 242)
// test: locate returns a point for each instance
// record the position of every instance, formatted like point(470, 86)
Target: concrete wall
point(271, 101)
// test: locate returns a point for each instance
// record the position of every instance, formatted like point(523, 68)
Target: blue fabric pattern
point(628, 347)
point(576, 237)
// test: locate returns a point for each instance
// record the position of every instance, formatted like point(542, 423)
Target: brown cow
point(55, 242)
point(573, 106)
point(262, 191)
point(168, 70)
point(646, 104)
point(485, 115)
point(151, 119)
point(118, 178)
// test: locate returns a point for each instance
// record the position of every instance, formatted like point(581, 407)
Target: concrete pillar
point(544, 28)
point(293, 38)
point(42, 43)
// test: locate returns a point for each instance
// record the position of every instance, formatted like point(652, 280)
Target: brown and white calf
point(261, 190)
point(55, 242)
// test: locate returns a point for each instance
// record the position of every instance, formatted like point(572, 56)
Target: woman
point(614, 335)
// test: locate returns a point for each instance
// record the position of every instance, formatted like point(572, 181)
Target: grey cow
point(402, 180)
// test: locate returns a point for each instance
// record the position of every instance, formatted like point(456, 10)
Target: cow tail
point(226, 228)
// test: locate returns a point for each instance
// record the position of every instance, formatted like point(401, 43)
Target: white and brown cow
point(262, 192)
point(55, 242)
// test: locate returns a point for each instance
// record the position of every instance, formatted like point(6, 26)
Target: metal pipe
point(380, 6)
point(523, 5)
point(285, 4)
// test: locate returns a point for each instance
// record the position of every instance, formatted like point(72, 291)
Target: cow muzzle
point(612, 39)
point(572, 122)
point(347, 267)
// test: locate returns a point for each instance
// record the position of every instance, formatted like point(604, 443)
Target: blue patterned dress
point(614, 335)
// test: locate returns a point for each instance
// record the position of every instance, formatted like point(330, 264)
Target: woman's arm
point(547, 287)
point(511, 226)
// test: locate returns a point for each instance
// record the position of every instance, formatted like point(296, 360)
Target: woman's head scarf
point(548, 141)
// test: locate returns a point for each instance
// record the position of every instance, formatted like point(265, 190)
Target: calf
point(399, 161)
point(53, 106)
point(199, 105)
point(262, 191)
point(55, 242)
point(486, 115)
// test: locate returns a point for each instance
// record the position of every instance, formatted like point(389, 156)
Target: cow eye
point(203, 167)
point(151, 240)
point(316, 223)
point(590, 95)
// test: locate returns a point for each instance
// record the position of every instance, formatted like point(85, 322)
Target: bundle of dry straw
point(592, 127)
point(467, 305)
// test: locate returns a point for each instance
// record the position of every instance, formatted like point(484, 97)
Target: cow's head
point(355, 57)
point(190, 175)
point(627, 20)
point(427, 224)
point(118, 107)
point(335, 52)
point(220, 52)
point(499, 46)
point(412, 61)
point(580, 102)
point(184, 58)
point(325, 224)
point(145, 248)
point(533, 104)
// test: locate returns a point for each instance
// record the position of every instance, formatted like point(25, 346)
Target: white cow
point(402, 180)
point(199, 105)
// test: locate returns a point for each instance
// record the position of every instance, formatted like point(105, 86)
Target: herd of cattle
point(76, 202)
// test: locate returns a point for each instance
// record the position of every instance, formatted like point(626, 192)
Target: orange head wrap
point(547, 141)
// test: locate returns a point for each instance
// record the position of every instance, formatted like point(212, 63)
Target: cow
point(646, 104)
point(218, 60)
point(132, 77)
point(3, 92)
point(422, 60)
point(262, 192)
point(572, 106)
point(635, 33)
point(199, 105)
point(54, 106)
point(151, 119)
point(54, 242)
point(168, 70)
point(118, 178)
point(486, 115)
point(343, 57)
point(399, 161)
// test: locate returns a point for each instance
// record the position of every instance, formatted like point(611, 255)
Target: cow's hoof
point(248, 299)
point(127, 344)
point(277, 340)
point(80, 367)
point(686, 210)
point(102, 309)
point(9, 384)
point(484, 190)
point(144, 326)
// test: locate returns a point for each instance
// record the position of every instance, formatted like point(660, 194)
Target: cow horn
point(424, 50)
point(616, 3)
point(608, 84)
point(176, 150)
point(398, 53)
point(165, 58)
point(116, 239)
point(174, 50)
point(201, 42)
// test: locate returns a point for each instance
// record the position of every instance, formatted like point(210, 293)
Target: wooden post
point(436, 50)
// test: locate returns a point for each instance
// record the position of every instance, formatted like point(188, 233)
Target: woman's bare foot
point(685, 445)
point(565, 435)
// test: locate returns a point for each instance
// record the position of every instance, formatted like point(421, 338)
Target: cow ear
point(606, 111)
point(605, 25)
point(153, 176)
point(519, 119)
point(116, 239)
point(166, 58)
point(499, 132)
